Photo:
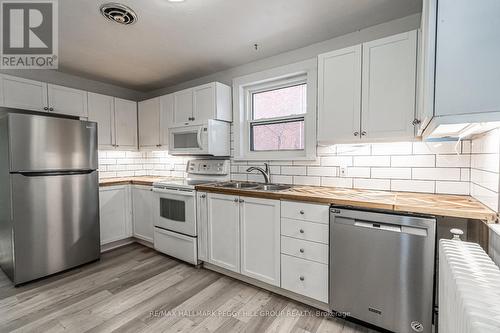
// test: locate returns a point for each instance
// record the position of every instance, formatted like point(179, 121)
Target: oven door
point(188, 140)
point(176, 210)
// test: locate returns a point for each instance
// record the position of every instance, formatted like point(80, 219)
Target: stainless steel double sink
point(255, 186)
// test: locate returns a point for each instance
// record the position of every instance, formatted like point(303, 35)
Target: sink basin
point(273, 187)
point(239, 185)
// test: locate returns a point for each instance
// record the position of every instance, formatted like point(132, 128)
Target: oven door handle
point(175, 192)
point(198, 137)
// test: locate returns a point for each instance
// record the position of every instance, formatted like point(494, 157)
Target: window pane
point(280, 102)
point(278, 136)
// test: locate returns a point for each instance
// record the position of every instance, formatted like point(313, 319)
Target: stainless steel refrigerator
point(49, 195)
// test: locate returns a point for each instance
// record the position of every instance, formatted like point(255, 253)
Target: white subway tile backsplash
point(487, 143)
point(307, 180)
point(358, 172)
point(444, 147)
point(487, 162)
point(487, 179)
point(391, 173)
point(372, 161)
point(106, 161)
point(293, 170)
point(282, 179)
point(454, 161)
point(436, 173)
point(116, 154)
point(413, 186)
point(460, 188)
point(395, 148)
point(372, 184)
point(354, 149)
point(336, 161)
point(337, 182)
point(487, 197)
point(413, 161)
point(465, 175)
point(322, 171)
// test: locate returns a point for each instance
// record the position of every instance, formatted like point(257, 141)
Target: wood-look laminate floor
point(135, 289)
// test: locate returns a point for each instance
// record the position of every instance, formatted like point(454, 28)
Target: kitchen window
point(276, 115)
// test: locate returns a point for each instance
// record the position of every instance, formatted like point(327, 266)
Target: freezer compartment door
point(56, 223)
point(39, 143)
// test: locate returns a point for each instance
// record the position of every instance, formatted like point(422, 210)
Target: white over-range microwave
point(211, 139)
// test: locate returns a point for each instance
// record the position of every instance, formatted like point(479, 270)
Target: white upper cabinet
point(388, 88)
point(197, 105)
point(367, 91)
point(166, 118)
point(149, 123)
point(260, 239)
point(467, 57)
point(339, 99)
point(101, 110)
point(24, 94)
point(68, 101)
point(125, 124)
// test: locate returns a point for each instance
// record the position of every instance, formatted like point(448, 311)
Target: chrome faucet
point(265, 172)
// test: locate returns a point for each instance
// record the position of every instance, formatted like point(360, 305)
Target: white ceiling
point(175, 42)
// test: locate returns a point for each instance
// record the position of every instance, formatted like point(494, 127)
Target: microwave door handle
point(198, 137)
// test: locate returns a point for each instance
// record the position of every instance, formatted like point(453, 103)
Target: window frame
point(286, 76)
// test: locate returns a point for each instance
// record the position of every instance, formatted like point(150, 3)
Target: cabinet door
point(467, 54)
point(202, 224)
point(260, 239)
point(339, 95)
point(204, 103)
point(426, 65)
point(24, 94)
point(224, 231)
point(125, 124)
point(388, 93)
point(143, 203)
point(166, 118)
point(114, 213)
point(149, 123)
point(183, 107)
point(68, 101)
point(101, 111)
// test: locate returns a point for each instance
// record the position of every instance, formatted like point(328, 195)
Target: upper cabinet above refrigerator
point(459, 73)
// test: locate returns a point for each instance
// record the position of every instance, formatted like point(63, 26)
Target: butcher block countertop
point(139, 180)
point(420, 203)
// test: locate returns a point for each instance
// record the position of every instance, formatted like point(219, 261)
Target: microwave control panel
point(208, 167)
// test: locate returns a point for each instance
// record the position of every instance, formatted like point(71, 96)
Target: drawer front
point(305, 211)
point(315, 232)
point(304, 249)
point(304, 277)
point(176, 245)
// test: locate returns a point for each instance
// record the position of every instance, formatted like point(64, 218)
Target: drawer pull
point(236, 200)
point(301, 278)
point(301, 212)
point(301, 250)
point(301, 231)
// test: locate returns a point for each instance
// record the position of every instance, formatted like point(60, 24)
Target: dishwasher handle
point(378, 226)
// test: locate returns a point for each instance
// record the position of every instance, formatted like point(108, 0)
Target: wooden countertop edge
point(125, 182)
point(284, 195)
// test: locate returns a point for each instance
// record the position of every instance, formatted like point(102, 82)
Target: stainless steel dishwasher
point(382, 268)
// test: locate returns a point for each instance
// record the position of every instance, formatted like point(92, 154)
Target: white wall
point(378, 31)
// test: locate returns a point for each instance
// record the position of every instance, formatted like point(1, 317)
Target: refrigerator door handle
point(54, 173)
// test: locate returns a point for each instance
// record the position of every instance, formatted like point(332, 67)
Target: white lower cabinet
point(244, 236)
point(305, 277)
point(223, 232)
point(115, 213)
point(143, 212)
point(260, 239)
point(202, 225)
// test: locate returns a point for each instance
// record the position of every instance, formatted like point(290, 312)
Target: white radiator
point(469, 289)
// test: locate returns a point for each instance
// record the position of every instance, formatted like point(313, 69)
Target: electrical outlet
point(343, 171)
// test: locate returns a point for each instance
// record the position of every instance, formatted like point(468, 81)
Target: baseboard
point(277, 290)
point(122, 242)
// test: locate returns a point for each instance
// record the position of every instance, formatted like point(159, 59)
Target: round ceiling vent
point(118, 13)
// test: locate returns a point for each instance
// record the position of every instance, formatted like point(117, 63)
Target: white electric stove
point(175, 229)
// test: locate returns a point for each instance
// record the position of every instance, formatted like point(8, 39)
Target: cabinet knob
point(203, 196)
point(416, 122)
point(363, 133)
point(51, 109)
point(301, 212)
point(158, 145)
point(236, 200)
point(192, 118)
point(301, 231)
point(356, 133)
point(241, 200)
point(301, 278)
point(301, 250)
point(46, 108)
